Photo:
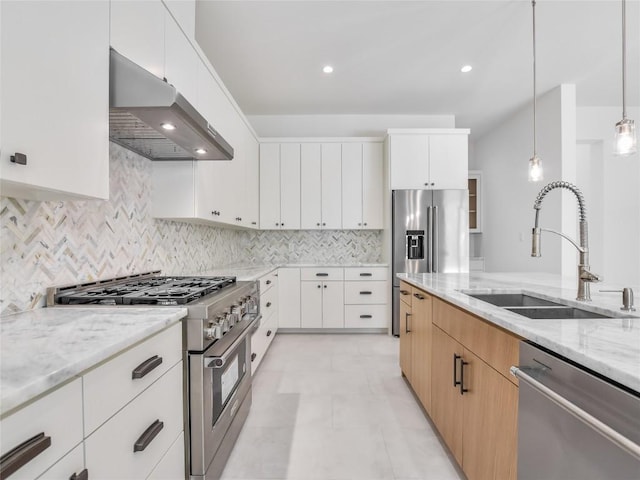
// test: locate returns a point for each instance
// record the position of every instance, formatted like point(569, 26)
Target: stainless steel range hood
point(142, 107)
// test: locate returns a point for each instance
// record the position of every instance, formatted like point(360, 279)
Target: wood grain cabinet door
point(490, 417)
point(446, 400)
point(405, 339)
point(421, 346)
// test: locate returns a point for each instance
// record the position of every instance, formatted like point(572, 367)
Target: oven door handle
point(603, 429)
point(219, 361)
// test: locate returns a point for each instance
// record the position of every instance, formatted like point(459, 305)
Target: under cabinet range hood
point(150, 117)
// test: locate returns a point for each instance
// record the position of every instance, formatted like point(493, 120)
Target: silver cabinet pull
point(406, 323)
point(603, 429)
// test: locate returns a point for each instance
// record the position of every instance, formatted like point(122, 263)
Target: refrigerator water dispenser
point(415, 244)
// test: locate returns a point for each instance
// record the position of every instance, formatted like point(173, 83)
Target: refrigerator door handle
point(429, 239)
point(434, 239)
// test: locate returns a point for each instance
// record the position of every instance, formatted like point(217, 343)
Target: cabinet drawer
point(268, 281)
point(172, 465)
point(261, 340)
point(269, 302)
point(495, 346)
point(365, 316)
point(58, 415)
point(72, 463)
point(365, 273)
point(110, 449)
point(111, 386)
point(322, 273)
point(405, 293)
point(365, 293)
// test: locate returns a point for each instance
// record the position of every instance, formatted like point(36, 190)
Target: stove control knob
point(224, 325)
point(213, 332)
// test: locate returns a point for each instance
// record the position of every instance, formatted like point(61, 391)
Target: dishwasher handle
point(603, 429)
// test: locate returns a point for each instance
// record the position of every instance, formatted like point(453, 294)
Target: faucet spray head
point(535, 242)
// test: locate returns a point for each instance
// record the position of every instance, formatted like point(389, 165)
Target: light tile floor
point(335, 407)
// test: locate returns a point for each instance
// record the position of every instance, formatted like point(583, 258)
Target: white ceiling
point(404, 57)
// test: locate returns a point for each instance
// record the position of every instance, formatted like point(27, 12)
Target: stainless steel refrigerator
point(430, 234)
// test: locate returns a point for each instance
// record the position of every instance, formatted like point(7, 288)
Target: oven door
point(220, 388)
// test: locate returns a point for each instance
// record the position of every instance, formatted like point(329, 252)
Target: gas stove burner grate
point(145, 291)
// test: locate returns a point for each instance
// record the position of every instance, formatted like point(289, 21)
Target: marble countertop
point(608, 346)
point(43, 348)
point(249, 272)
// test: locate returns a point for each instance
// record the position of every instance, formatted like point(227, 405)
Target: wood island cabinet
point(458, 366)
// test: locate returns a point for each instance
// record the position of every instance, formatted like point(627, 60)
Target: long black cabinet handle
point(19, 456)
point(418, 296)
point(455, 365)
point(253, 356)
point(406, 323)
point(365, 274)
point(83, 475)
point(404, 292)
point(146, 367)
point(147, 437)
point(366, 316)
point(365, 293)
point(322, 274)
point(462, 389)
point(268, 333)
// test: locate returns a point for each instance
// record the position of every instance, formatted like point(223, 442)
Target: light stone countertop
point(608, 346)
point(250, 272)
point(43, 348)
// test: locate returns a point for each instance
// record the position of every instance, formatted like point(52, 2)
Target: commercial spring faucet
point(584, 275)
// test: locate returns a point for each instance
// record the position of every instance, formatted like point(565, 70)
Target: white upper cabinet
point(180, 61)
point(54, 99)
point(428, 158)
point(279, 186)
point(184, 11)
point(321, 186)
point(137, 32)
point(362, 185)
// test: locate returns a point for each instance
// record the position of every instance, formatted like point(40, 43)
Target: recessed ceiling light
point(168, 126)
point(201, 151)
point(466, 69)
point(327, 69)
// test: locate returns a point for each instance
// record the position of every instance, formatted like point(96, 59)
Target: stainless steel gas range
point(222, 314)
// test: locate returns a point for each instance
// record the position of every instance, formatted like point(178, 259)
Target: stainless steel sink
point(534, 307)
point(512, 299)
point(556, 312)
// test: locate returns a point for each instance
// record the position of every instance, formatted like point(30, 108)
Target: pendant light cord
point(624, 60)
point(533, 5)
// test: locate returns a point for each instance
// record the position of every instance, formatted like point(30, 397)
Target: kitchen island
point(608, 346)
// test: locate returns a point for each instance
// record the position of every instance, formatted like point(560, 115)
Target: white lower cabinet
point(322, 304)
point(172, 465)
point(53, 423)
point(366, 298)
point(132, 443)
point(289, 298)
point(261, 339)
point(366, 316)
point(68, 466)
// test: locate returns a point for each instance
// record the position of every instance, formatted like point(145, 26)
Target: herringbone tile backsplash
point(51, 243)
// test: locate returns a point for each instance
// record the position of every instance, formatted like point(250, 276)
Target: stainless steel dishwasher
point(573, 424)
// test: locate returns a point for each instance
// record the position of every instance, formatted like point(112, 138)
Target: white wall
point(612, 190)
point(508, 214)
point(342, 125)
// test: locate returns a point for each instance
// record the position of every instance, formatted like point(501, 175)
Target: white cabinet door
point(137, 32)
point(290, 186)
point(449, 164)
point(184, 11)
point(333, 305)
point(172, 465)
point(311, 304)
point(181, 61)
point(54, 99)
point(331, 186)
point(409, 156)
point(252, 182)
point(372, 185)
point(352, 186)
point(311, 186)
point(68, 466)
point(289, 298)
point(269, 186)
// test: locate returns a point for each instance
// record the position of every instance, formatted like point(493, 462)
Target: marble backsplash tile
point(52, 243)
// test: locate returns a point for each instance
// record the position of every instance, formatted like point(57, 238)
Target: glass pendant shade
point(625, 141)
point(535, 169)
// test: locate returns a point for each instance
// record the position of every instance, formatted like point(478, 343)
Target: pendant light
point(535, 164)
point(625, 141)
